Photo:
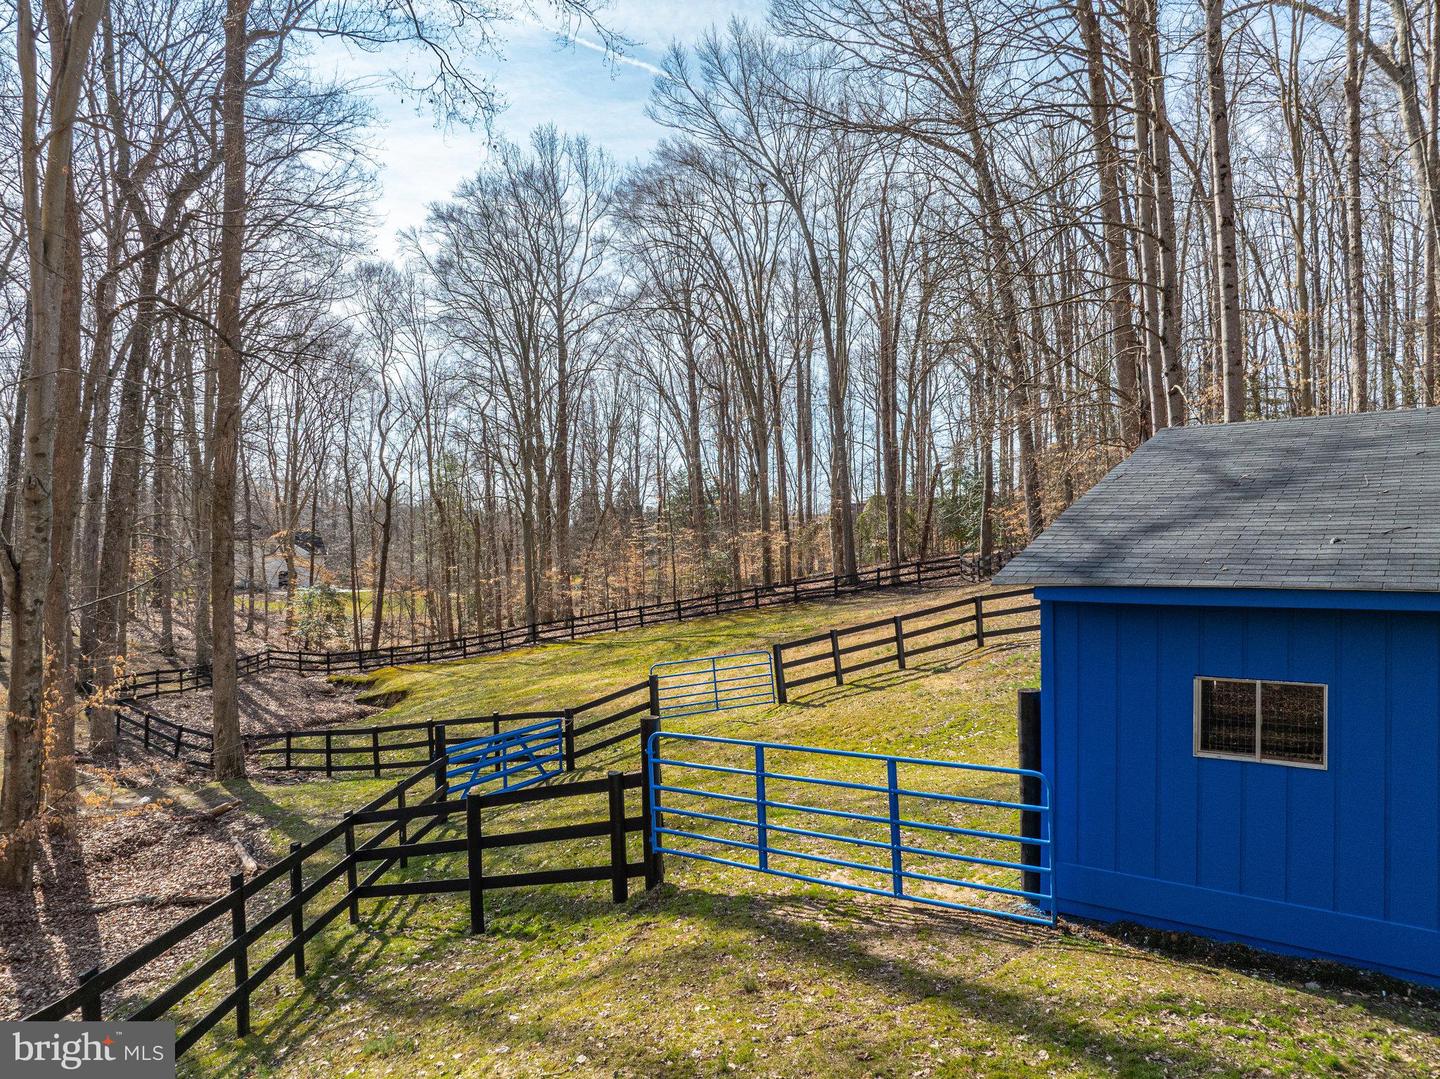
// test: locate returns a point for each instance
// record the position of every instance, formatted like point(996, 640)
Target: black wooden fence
point(403, 746)
point(918, 573)
point(161, 735)
point(834, 654)
point(272, 915)
point(822, 657)
point(254, 912)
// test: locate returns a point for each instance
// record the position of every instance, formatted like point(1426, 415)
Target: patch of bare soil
point(277, 701)
point(138, 861)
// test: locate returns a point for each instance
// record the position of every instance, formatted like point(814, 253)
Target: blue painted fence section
point(685, 687)
point(510, 760)
point(890, 826)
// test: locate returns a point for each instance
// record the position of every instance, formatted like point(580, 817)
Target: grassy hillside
point(726, 972)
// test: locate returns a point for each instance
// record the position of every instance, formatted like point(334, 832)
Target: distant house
point(1240, 687)
point(309, 556)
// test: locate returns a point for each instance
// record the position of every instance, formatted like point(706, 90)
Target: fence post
point(619, 873)
point(655, 696)
point(352, 878)
point(297, 911)
point(835, 657)
point(147, 729)
point(289, 747)
point(1028, 721)
point(569, 739)
point(329, 755)
point(979, 623)
point(899, 642)
point(474, 862)
point(654, 861)
point(375, 750)
point(777, 659)
point(178, 732)
point(495, 730)
point(90, 1006)
point(242, 957)
point(402, 828)
point(440, 754)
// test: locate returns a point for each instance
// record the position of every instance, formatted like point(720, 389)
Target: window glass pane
point(1292, 723)
point(1227, 716)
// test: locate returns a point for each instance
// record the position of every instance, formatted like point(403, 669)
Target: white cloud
point(573, 84)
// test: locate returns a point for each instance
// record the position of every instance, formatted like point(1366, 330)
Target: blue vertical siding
point(1136, 742)
point(1343, 862)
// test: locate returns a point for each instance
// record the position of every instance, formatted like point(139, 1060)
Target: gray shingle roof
point(1332, 502)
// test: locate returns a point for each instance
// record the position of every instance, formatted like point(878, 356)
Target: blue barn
point(1240, 687)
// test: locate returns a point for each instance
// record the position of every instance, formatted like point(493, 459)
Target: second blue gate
point(685, 687)
point(969, 837)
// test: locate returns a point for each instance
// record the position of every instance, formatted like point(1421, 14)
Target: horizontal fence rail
point(917, 573)
point(895, 843)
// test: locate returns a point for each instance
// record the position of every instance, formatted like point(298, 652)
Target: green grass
point(724, 972)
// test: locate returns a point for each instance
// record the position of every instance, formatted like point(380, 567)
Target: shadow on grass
point(848, 939)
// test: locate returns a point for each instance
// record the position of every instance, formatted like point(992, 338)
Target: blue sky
point(542, 80)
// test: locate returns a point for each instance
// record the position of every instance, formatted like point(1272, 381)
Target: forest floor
point(153, 841)
point(722, 971)
point(274, 701)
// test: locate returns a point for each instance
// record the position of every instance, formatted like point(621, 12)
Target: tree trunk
point(46, 208)
point(229, 756)
point(1134, 412)
point(1231, 352)
point(1354, 223)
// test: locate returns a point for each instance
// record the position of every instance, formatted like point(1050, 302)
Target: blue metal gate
point(510, 760)
point(685, 687)
point(1002, 845)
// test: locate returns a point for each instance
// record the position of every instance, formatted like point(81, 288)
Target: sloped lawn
point(721, 972)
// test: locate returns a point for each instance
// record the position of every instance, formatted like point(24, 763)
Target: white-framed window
point(1259, 720)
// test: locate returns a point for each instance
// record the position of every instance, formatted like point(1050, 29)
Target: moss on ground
point(723, 972)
